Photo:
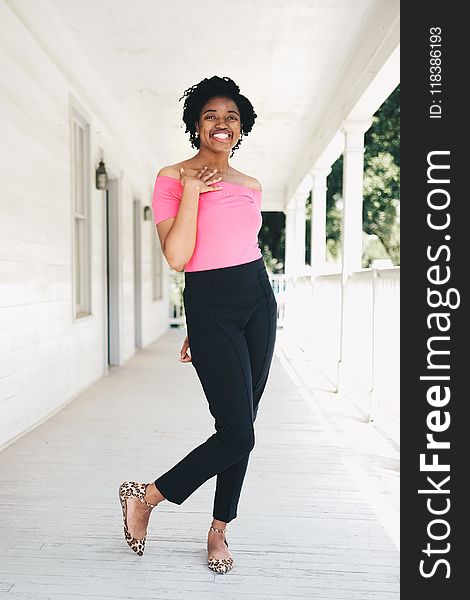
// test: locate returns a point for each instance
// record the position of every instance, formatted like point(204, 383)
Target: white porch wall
point(46, 357)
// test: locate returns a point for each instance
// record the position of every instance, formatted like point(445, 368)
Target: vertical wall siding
point(47, 357)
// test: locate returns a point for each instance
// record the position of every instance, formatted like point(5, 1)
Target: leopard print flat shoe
point(220, 565)
point(132, 489)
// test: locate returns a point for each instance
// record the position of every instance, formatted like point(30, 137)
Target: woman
point(208, 216)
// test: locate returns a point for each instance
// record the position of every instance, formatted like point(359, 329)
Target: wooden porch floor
point(306, 528)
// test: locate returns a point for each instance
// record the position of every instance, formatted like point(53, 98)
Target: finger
point(212, 184)
point(214, 180)
point(210, 173)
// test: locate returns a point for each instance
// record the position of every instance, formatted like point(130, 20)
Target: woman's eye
point(230, 117)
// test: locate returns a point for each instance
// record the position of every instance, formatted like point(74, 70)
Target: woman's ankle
point(218, 524)
point(152, 494)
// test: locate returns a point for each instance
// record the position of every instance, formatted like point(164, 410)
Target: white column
point(318, 224)
point(300, 224)
point(351, 252)
point(353, 174)
point(295, 229)
point(290, 240)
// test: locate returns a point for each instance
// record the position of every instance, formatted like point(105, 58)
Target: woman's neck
point(213, 161)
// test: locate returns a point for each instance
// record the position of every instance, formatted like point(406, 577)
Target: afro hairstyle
point(197, 95)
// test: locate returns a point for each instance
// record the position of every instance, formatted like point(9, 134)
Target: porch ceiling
point(286, 56)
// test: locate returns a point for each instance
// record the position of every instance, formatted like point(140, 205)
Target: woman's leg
point(260, 335)
point(221, 358)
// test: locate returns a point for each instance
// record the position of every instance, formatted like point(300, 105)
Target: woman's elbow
point(174, 263)
point(179, 268)
point(174, 257)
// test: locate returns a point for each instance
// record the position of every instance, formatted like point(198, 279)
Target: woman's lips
point(223, 139)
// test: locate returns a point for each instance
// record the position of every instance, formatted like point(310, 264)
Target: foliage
point(271, 239)
point(381, 200)
point(334, 210)
point(381, 188)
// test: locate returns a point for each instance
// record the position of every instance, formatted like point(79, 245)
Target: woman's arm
point(178, 235)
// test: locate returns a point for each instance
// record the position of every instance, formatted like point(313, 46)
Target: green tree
point(271, 239)
point(381, 187)
point(333, 209)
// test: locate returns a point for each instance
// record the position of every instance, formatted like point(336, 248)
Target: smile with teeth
point(222, 136)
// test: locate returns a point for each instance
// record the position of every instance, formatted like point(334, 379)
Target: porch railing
point(353, 339)
point(176, 306)
point(355, 343)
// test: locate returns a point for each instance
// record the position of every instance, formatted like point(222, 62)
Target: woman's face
point(219, 124)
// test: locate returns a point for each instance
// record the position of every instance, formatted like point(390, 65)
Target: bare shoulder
point(174, 170)
point(247, 180)
point(254, 183)
point(170, 171)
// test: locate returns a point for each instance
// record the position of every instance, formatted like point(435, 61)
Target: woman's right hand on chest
point(204, 180)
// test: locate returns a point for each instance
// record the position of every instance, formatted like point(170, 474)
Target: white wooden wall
point(47, 357)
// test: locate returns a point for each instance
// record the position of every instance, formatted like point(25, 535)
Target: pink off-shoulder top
point(228, 222)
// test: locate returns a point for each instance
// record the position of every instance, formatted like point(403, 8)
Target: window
point(80, 147)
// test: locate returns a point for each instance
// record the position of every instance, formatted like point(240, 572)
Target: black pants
point(231, 315)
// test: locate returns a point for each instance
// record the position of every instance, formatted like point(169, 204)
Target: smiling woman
point(208, 216)
point(238, 120)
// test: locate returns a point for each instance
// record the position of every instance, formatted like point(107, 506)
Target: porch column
point(290, 240)
point(295, 230)
point(353, 174)
point(318, 224)
point(351, 250)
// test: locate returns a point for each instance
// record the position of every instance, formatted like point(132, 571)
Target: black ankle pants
point(231, 316)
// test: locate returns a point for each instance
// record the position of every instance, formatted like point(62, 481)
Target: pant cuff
point(162, 491)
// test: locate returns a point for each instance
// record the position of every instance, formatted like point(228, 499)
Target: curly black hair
point(197, 95)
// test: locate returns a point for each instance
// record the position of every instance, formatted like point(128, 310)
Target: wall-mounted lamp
point(147, 213)
point(101, 177)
